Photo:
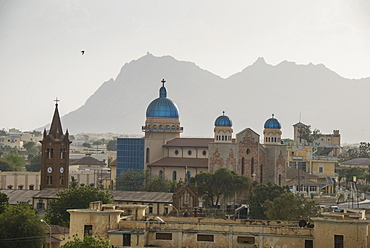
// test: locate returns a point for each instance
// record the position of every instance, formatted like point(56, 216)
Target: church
point(163, 152)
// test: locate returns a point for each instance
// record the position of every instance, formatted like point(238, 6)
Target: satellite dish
point(302, 223)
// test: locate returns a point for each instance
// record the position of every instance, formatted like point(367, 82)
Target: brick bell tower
point(55, 155)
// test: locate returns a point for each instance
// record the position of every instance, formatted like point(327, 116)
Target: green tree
point(86, 144)
point(4, 200)
point(156, 183)
point(74, 198)
point(12, 162)
point(36, 133)
point(259, 196)
point(35, 164)
point(289, 207)
point(221, 184)
point(21, 227)
point(305, 133)
point(87, 242)
point(73, 183)
point(3, 132)
point(364, 150)
point(29, 145)
point(97, 143)
point(112, 145)
point(131, 180)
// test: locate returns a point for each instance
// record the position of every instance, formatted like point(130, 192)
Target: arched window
point(147, 155)
point(279, 179)
point(252, 167)
point(261, 173)
point(242, 172)
point(174, 175)
point(160, 173)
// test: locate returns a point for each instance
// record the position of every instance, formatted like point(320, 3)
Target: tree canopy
point(137, 180)
point(87, 242)
point(305, 133)
point(259, 196)
point(4, 200)
point(75, 198)
point(223, 183)
point(12, 162)
point(21, 227)
point(287, 206)
point(35, 164)
point(112, 145)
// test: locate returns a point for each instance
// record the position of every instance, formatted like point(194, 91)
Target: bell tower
point(55, 154)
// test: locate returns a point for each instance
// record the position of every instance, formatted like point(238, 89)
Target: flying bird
point(82, 52)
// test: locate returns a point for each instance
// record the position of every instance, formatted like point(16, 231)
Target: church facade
point(165, 153)
point(55, 155)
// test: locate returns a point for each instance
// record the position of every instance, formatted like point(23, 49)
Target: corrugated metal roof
point(357, 161)
point(119, 196)
point(49, 193)
point(189, 142)
point(181, 162)
point(19, 195)
point(141, 196)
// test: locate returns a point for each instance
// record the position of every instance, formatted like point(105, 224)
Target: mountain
point(324, 99)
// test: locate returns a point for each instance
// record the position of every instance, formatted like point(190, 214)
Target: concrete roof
point(19, 195)
point(181, 162)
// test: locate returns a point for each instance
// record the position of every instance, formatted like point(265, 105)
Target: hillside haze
point(321, 97)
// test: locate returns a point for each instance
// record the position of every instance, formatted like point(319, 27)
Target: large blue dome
point(223, 121)
point(272, 123)
point(162, 107)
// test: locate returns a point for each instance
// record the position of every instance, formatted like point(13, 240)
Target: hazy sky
point(41, 40)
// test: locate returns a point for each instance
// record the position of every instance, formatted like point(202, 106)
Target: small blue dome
point(162, 107)
point(223, 121)
point(272, 123)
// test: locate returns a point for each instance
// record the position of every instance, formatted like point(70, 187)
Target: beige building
point(128, 226)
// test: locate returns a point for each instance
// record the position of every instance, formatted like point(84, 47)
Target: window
point(338, 241)
point(308, 243)
point(61, 180)
point(163, 236)
point(279, 179)
point(62, 153)
point(10, 186)
point(204, 153)
point(248, 151)
point(176, 152)
point(321, 169)
point(40, 204)
point(87, 230)
point(174, 175)
point(161, 173)
point(20, 186)
point(242, 166)
point(245, 240)
point(150, 209)
point(32, 186)
point(147, 155)
point(189, 152)
point(205, 237)
point(49, 180)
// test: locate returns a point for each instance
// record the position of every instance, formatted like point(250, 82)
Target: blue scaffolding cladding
point(130, 154)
